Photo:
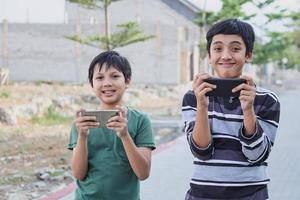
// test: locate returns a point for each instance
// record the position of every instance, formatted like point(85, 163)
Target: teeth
point(108, 92)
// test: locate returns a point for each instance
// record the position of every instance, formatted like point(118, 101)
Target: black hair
point(110, 59)
point(232, 27)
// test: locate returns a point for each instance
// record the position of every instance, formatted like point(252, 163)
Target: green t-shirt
point(110, 175)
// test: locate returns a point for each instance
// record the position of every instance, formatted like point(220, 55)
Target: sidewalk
point(172, 162)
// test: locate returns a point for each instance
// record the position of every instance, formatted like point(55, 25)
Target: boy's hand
point(248, 93)
point(200, 88)
point(119, 123)
point(84, 123)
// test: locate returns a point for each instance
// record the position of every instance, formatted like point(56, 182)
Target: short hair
point(110, 59)
point(232, 27)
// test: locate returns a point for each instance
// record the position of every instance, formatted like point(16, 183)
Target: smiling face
point(109, 86)
point(228, 55)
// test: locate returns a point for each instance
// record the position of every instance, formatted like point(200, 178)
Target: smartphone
point(102, 116)
point(224, 86)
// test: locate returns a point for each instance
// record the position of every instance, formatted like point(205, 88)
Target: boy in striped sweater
point(230, 137)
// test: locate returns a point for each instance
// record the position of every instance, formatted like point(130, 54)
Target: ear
point(249, 57)
point(127, 83)
point(209, 59)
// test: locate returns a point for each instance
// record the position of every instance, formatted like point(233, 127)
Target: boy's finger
point(206, 84)
point(238, 88)
point(89, 118)
point(248, 79)
point(114, 118)
point(122, 111)
point(78, 112)
point(243, 86)
point(200, 78)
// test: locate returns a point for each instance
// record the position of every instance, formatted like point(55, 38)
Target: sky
point(34, 11)
point(260, 19)
point(290, 5)
point(214, 5)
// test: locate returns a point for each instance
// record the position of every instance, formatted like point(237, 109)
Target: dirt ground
point(34, 160)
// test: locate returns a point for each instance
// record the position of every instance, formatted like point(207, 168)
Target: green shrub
point(52, 117)
point(5, 94)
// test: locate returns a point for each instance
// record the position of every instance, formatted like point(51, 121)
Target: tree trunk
point(107, 25)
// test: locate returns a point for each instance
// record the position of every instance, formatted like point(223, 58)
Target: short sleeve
point(144, 137)
point(73, 138)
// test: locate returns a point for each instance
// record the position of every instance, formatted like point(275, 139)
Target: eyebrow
point(233, 42)
point(236, 42)
point(113, 72)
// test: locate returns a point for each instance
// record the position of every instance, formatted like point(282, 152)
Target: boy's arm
point(201, 135)
point(257, 147)
point(247, 97)
point(139, 157)
point(189, 117)
point(256, 135)
point(79, 160)
point(195, 117)
point(80, 152)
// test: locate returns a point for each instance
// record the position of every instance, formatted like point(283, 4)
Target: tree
point(129, 32)
point(280, 46)
point(230, 9)
point(293, 54)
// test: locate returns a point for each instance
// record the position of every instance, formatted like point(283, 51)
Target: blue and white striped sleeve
point(257, 148)
point(189, 108)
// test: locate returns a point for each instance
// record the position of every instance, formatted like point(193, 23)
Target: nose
point(107, 82)
point(226, 55)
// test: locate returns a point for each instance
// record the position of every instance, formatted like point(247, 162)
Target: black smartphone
point(102, 116)
point(224, 86)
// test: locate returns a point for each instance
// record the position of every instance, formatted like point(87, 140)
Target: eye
point(115, 76)
point(217, 49)
point(99, 77)
point(236, 49)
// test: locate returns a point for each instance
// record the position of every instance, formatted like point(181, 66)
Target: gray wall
point(40, 51)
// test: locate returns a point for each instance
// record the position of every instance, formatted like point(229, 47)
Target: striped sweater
point(232, 166)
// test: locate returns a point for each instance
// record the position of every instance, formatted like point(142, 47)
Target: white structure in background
point(41, 51)
point(33, 11)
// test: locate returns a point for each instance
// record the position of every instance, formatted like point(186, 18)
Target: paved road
point(284, 164)
point(170, 172)
point(172, 163)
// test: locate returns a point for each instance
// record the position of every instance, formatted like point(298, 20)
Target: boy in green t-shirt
point(109, 162)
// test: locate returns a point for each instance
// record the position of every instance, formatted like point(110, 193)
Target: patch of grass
point(56, 173)
point(5, 94)
point(11, 180)
point(52, 117)
point(40, 82)
point(61, 83)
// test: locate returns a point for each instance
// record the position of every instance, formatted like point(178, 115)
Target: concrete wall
point(40, 51)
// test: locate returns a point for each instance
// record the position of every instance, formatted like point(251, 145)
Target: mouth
point(226, 65)
point(108, 92)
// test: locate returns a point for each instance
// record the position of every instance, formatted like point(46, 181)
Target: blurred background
point(47, 46)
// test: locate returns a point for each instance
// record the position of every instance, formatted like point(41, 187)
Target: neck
point(110, 106)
